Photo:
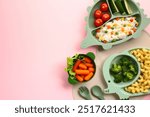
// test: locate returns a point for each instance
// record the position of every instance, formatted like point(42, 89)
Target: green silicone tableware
point(135, 11)
point(71, 62)
point(118, 88)
point(97, 92)
point(84, 93)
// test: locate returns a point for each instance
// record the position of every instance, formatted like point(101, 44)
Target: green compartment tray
point(118, 88)
point(91, 40)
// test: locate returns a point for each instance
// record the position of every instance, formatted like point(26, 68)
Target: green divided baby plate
point(131, 9)
point(119, 88)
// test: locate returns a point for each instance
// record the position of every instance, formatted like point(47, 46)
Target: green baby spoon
point(97, 92)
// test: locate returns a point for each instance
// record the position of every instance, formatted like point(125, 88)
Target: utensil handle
point(89, 98)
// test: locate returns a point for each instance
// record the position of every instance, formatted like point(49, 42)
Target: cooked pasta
point(143, 83)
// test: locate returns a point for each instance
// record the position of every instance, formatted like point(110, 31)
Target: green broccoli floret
point(125, 61)
point(128, 75)
point(116, 68)
point(125, 68)
point(125, 79)
point(133, 69)
point(118, 78)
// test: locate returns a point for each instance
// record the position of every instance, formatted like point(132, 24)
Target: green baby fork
point(84, 93)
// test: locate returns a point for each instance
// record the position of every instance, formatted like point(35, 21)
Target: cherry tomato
point(98, 22)
point(104, 7)
point(98, 14)
point(105, 17)
point(131, 20)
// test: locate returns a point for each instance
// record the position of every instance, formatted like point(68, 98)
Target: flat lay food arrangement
point(127, 73)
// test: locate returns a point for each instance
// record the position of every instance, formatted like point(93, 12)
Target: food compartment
point(124, 69)
point(99, 15)
point(142, 85)
point(123, 7)
point(118, 29)
point(81, 68)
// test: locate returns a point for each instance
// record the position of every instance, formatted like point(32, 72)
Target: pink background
point(36, 36)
